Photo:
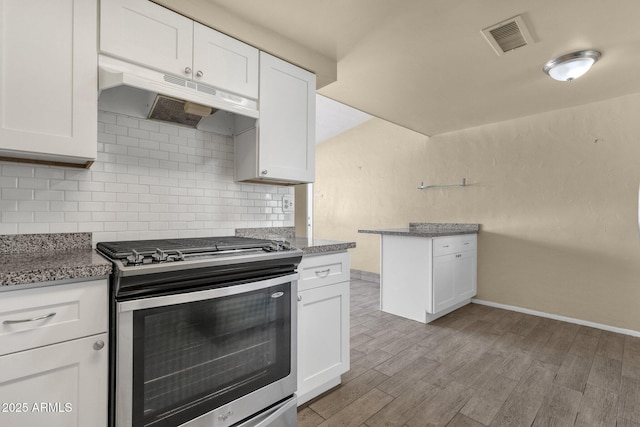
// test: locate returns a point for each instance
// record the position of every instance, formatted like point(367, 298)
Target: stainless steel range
point(203, 332)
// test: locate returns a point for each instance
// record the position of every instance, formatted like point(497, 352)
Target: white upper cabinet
point(150, 35)
point(147, 34)
point(224, 62)
point(282, 148)
point(48, 80)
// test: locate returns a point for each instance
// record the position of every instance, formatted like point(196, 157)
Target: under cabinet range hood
point(141, 92)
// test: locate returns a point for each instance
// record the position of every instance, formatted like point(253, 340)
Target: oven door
point(213, 357)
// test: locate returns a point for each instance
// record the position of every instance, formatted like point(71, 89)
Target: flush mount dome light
point(572, 65)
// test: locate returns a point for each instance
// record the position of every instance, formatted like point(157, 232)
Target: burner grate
point(124, 249)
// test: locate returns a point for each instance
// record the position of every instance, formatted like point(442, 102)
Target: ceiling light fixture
point(572, 65)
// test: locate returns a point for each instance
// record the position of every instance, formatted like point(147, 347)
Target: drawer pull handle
point(323, 273)
point(445, 246)
point(466, 243)
point(34, 319)
point(299, 297)
point(98, 345)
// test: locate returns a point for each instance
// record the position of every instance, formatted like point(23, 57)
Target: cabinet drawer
point(325, 269)
point(454, 244)
point(35, 317)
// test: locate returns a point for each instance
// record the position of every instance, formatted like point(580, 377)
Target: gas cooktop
point(142, 252)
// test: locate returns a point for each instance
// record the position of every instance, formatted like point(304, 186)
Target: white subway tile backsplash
point(33, 206)
point(56, 184)
point(6, 228)
point(35, 228)
point(43, 195)
point(17, 194)
point(63, 227)
point(8, 182)
point(49, 173)
point(14, 216)
point(151, 180)
point(18, 170)
point(79, 217)
point(49, 217)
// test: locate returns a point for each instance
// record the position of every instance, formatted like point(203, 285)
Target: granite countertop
point(427, 229)
point(316, 246)
point(34, 258)
point(308, 246)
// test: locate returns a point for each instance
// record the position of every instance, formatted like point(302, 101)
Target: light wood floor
point(479, 366)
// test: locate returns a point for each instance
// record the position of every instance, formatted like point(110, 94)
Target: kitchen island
point(428, 269)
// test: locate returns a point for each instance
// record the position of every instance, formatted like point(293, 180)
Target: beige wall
point(556, 195)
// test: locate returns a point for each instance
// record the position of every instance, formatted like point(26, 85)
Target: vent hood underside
point(139, 92)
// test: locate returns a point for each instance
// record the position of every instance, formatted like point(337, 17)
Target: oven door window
point(194, 357)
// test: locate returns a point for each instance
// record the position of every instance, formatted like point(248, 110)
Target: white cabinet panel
point(59, 313)
point(282, 148)
point(152, 36)
point(405, 273)
point(224, 62)
point(324, 343)
point(59, 376)
point(444, 292)
point(147, 34)
point(48, 80)
point(324, 269)
point(287, 120)
point(466, 275)
point(323, 324)
point(423, 278)
point(61, 385)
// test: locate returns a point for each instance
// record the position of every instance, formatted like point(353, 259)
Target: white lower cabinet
point(423, 278)
point(453, 280)
point(61, 384)
point(323, 323)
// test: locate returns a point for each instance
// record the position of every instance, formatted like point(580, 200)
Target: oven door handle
point(272, 417)
point(184, 297)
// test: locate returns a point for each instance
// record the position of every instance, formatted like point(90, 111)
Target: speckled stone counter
point(316, 246)
point(308, 246)
point(34, 258)
point(426, 229)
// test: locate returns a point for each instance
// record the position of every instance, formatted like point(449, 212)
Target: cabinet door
point(323, 335)
point(287, 121)
point(48, 80)
point(147, 34)
point(444, 274)
point(224, 62)
point(466, 276)
point(61, 385)
point(454, 279)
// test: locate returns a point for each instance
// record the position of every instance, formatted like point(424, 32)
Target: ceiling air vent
point(508, 35)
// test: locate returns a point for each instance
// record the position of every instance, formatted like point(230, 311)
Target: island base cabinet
point(59, 385)
point(323, 341)
point(424, 278)
point(453, 280)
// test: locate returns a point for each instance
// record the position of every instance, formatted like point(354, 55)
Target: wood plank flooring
point(479, 366)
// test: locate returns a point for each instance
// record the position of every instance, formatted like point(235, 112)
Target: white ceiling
point(425, 65)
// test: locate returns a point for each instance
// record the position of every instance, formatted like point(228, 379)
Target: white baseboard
point(557, 317)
